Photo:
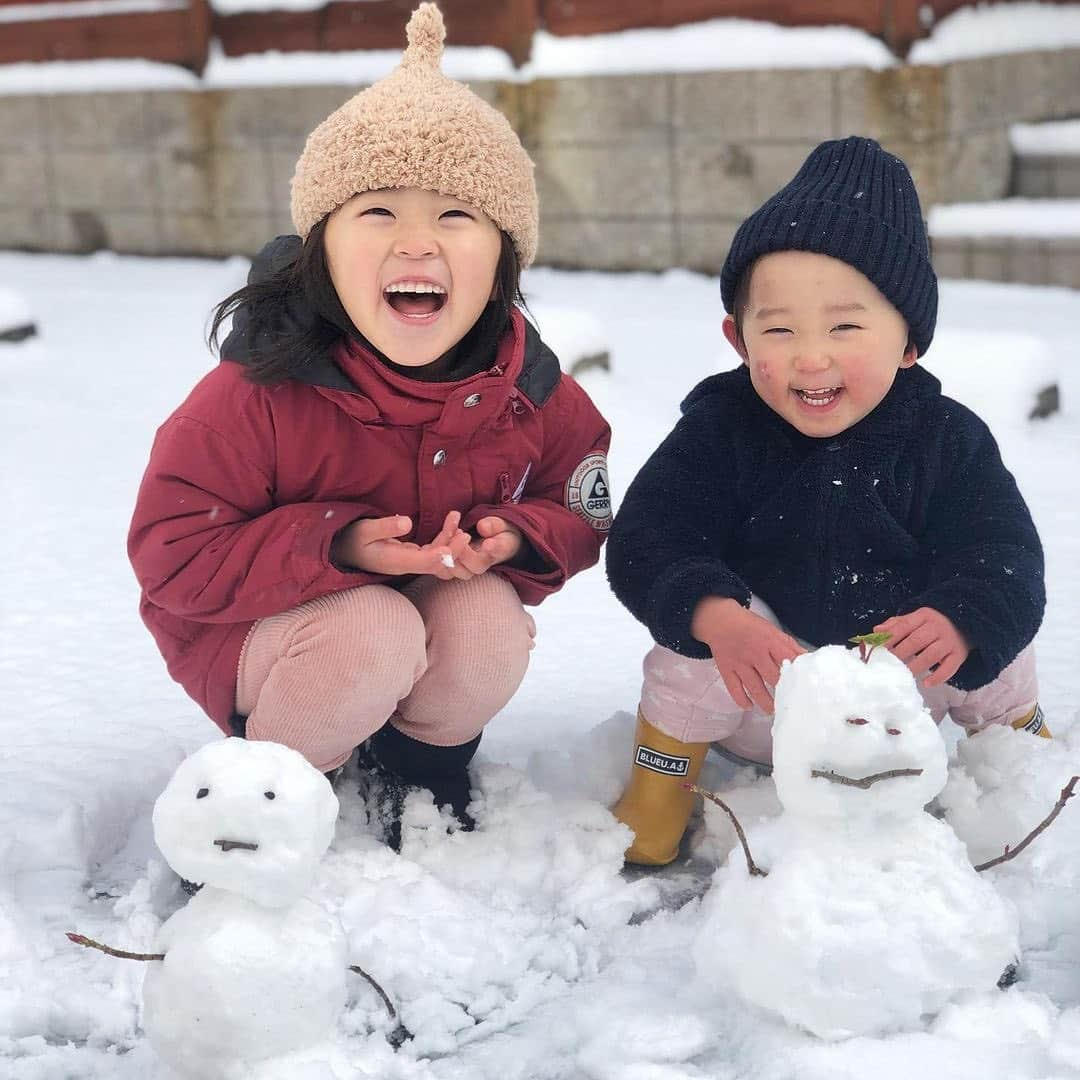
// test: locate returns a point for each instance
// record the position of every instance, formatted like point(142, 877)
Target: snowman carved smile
point(865, 781)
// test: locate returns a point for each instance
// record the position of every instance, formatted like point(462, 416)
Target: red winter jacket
point(247, 486)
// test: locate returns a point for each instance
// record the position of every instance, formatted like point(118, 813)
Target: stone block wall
point(635, 172)
point(1048, 176)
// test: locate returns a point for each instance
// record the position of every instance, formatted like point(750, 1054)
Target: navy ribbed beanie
point(857, 203)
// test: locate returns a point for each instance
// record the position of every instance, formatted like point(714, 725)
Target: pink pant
point(687, 700)
point(442, 657)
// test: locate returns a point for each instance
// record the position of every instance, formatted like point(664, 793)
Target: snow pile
point(576, 336)
point(1040, 218)
point(989, 29)
point(1001, 787)
point(998, 375)
point(1059, 138)
point(871, 916)
point(471, 932)
point(16, 322)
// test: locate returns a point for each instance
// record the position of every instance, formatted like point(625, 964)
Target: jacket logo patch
point(588, 494)
point(661, 763)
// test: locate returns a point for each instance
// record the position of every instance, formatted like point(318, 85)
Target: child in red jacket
point(338, 528)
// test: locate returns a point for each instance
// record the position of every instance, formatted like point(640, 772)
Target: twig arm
point(123, 954)
point(751, 866)
point(377, 988)
point(1067, 792)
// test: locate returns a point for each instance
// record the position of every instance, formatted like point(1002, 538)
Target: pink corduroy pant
point(687, 700)
point(441, 657)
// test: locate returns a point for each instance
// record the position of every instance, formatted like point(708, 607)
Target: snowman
point(869, 917)
point(253, 969)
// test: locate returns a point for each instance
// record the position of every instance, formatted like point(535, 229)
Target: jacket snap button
point(471, 400)
point(439, 458)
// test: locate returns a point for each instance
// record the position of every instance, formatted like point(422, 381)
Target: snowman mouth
point(862, 781)
point(232, 845)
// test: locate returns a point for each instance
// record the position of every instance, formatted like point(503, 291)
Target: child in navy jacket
point(823, 489)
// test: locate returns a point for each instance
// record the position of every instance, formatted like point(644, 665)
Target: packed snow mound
point(252, 818)
point(16, 322)
point(999, 376)
point(1005, 782)
point(870, 917)
point(1003, 785)
point(576, 336)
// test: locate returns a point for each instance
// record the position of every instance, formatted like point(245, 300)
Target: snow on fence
point(179, 31)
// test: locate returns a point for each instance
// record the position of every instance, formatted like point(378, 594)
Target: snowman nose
point(228, 845)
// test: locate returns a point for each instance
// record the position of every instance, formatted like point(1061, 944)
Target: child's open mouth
point(415, 300)
point(818, 398)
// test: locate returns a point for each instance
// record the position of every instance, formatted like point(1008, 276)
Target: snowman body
point(871, 917)
point(253, 968)
point(243, 982)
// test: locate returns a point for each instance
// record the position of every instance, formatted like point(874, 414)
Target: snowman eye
point(893, 730)
point(202, 793)
point(269, 794)
point(857, 721)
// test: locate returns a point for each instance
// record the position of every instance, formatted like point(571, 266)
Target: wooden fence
point(179, 31)
point(175, 31)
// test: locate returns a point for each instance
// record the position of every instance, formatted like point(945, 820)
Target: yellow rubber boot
point(655, 804)
point(1034, 723)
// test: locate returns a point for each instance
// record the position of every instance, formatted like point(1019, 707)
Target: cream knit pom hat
point(419, 129)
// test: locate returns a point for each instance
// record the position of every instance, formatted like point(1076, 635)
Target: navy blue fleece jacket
point(911, 507)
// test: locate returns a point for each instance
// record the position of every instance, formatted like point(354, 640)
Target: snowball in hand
point(871, 917)
point(836, 714)
point(253, 818)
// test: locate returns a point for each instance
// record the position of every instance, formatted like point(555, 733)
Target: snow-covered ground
point(511, 951)
point(733, 44)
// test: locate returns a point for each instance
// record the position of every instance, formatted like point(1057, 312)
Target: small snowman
point(869, 916)
point(252, 967)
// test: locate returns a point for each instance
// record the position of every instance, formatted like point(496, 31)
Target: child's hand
point(926, 639)
point(746, 649)
point(372, 545)
point(499, 541)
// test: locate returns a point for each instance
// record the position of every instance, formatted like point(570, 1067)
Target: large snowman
point(871, 917)
point(253, 969)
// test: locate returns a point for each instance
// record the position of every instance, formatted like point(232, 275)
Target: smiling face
point(252, 818)
point(848, 720)
point(822, 343)
point(413, 269)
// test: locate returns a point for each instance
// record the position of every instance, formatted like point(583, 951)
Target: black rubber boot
point(396, 764)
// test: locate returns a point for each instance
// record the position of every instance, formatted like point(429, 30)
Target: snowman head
point(840, 724)
point(253, 818)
